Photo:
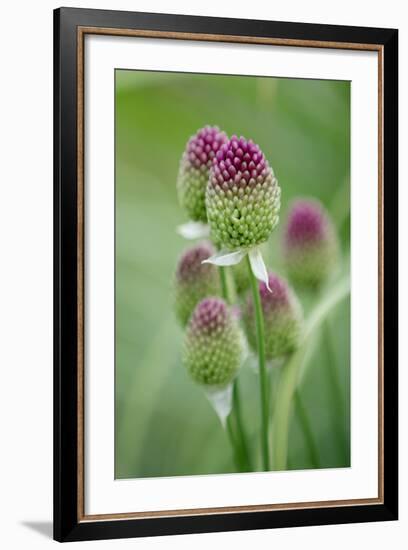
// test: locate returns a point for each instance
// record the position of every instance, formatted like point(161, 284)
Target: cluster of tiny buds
point(307, 223)
point(282, 318)
point(239, 162)
point(194, 280)
point(209, 317)
point(191, 266)
point(194, 170)
point(203, 146)
point(213, 346)
point(277, 295)
point(243, 196)
point(310, 243)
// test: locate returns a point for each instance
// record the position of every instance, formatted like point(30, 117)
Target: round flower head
point(310, 244)
point(243, 196)
point(194, 280)
point(213, 347)
point(194, 170)
point(283, 318)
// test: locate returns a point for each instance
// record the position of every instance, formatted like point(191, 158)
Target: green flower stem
point(307, 430)
point(240, 426)
point(335, 388)
point(235, 447)
point(263, 376)
point(240, 438)
point(294, 370)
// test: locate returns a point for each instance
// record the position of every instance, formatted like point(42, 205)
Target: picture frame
point(71, 28)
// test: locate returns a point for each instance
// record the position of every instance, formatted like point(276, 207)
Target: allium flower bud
point(213, 348)
point(194, 280)
point(243, 196)
point(194, 170)
point(310, 243)
point(283, 318)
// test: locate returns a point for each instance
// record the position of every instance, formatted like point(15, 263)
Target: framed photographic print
point(225, 274)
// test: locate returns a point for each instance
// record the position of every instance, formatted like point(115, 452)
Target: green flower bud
point(243, 196)
point(283, 318)
point(194, 280)
point(310, 245)
point(213, 347)
point(194, 170)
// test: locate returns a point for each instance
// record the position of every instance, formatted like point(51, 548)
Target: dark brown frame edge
point(68, 524)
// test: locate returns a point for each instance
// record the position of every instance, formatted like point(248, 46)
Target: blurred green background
point(164, 425)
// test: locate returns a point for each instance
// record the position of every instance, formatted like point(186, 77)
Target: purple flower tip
point(242, 196)
point(190, 265)
point(194, 280)
point(278, 296)
point(203, 146)
point(282, 318)
point(210, 315)
point(240, 162)
point(310, 244)
point(307, 223)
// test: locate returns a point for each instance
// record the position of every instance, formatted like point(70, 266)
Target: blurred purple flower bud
point(283, 318)
point(310, 244)
point(194, 170)
point(194, 280)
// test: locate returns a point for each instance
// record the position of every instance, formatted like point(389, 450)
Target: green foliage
point(164, 424)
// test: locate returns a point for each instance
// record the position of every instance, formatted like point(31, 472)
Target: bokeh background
point(164, 425)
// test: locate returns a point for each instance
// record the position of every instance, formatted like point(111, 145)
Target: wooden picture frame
point(70, 28)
